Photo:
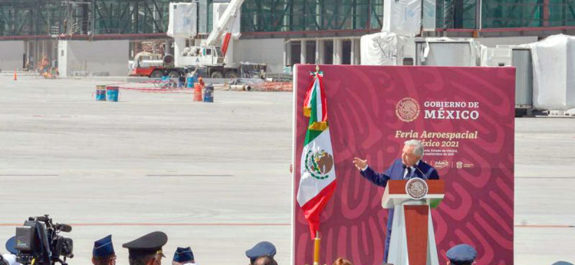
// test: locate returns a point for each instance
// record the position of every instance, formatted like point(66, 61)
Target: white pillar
point(54, 52)
point(355, 51)
point(337, 51)
point(63, 58)
point(352, 52)
point(287, 53)
point(179, 45)
point(319, 51)
point(303, 52)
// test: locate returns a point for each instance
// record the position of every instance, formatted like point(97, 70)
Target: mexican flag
point(317, 182)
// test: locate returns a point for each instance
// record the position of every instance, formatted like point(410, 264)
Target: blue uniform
point(396, 172)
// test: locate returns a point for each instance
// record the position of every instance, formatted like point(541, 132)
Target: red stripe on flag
point(313, 208)
point(308, 93)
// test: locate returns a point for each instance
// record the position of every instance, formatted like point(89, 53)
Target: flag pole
point(316, 242)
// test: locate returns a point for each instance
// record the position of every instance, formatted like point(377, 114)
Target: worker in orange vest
point(198, 87)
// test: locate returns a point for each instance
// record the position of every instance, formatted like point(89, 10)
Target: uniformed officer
point(103, 252)
point(147, 250)
point(261, 249)
point(461, 254)
point(183, 256)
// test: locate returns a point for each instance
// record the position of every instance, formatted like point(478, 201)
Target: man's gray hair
point(417, 147)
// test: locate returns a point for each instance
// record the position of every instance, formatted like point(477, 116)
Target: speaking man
point(408, 166)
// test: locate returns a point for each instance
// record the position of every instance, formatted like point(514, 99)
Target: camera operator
point(40, 242)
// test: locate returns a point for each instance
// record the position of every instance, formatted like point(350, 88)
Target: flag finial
point(317, 71)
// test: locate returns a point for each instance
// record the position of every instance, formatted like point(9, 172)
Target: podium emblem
point(416, 188)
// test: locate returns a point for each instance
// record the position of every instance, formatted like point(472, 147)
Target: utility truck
point(207, 55)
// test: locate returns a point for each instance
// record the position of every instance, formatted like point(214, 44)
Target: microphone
point(422, 174)
point(63, 227)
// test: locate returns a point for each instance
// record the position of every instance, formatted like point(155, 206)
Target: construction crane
point(210, 55)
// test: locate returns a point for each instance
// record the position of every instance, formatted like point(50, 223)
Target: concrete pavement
point(212, 176)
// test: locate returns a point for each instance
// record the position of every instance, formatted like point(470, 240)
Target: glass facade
point(506, 13)
point(52, 17)
point(314, 15)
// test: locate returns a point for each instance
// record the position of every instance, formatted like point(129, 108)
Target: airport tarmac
point(212, 176)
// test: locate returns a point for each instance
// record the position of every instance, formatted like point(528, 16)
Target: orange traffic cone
point(15, 75)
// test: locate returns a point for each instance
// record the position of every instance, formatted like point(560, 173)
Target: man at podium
point(408, 166)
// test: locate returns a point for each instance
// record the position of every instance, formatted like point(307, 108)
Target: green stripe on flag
point(311, 133)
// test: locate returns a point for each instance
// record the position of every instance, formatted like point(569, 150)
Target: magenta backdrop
point(362, 103)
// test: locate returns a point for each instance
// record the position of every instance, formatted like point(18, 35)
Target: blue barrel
point(209, 93)
point(112, 93)
point(101, 93)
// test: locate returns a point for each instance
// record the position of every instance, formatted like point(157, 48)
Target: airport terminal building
point(279, 33)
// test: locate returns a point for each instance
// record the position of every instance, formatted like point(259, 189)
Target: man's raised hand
point(359, 163)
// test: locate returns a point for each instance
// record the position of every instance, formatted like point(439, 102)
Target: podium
point(412, 238)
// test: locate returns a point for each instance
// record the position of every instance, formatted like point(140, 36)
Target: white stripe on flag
point(309, 187)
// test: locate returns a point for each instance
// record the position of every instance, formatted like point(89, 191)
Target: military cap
point(103, 247)
point(461, 253)
point(11, 245)
point(263, 248)
point(183, 255)
point(151, 243)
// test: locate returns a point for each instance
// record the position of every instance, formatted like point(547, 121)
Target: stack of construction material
point(277, 86)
